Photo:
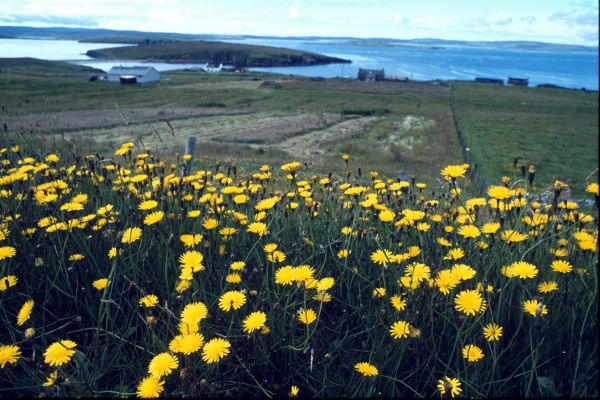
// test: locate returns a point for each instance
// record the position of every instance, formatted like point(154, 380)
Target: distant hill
point(132, 36)
point(239, 55)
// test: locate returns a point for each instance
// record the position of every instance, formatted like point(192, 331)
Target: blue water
point(574, 69)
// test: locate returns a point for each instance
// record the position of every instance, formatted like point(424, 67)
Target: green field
point(555, 129)
point(258, 118)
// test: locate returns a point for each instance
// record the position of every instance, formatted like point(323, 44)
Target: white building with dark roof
point(142, 74)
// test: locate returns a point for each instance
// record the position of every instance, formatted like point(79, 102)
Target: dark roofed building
point(370, 75)
point(518, 81)
point(489, 80)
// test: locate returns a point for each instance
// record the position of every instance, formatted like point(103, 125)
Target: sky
point(557, 21)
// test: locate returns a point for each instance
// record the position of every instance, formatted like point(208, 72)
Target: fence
point(474, 169)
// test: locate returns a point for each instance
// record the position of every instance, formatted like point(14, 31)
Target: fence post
point(190, 148)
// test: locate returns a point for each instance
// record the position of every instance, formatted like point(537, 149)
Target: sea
point(571, 69)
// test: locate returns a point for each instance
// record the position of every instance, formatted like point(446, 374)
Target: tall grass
point(536, 356)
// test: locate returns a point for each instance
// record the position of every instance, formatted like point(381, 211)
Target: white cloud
point(499, 18)
point(293, 12)
point(398, 18)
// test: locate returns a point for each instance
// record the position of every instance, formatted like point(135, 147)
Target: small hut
point(371, 75)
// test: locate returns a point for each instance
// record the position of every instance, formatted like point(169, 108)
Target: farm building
point(140, 73)
point(489, 80)
point(211, 67)
point(518, 81)
point(370, 75)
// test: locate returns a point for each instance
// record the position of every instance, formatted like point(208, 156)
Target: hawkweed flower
point(162, 364)
point(472, 353)
point(150, 387)
point(400, 330)
point(449, 386)
point(535, 308)
point(149, 301)
point(232, 299)
point(254, 321)
point(9, 354)
point(469, 302)
point(307, 316)
point(25, 312)
point(59, 353)
point(131, 235)
point(366, 369)
point(186, 344)
point(215, 349)
point(492, 332)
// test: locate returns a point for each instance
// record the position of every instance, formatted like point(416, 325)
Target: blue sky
point(559, 21)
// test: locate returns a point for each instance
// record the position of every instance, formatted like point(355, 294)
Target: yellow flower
point(472, 353)
point(154, 217)
point(521, 269)
point(148, 205)
point(561, 266)
point(257, 227)
point(490, 228)
point(232, 299)
point(76, 257)
point(215, 349)
point(210, 223)
point(386, 216)
point(378, 292)
point(454, 171)
point(149, 301)
point(325, 284)
point(400, 329)
point(454, 254)
point(294, 390)
point(59, 353)
point(8, 281)
point(237, 265)
point(25, 312)
point(547, 287)
point(254, 321)
point(51, 379)
point(100, 284)
point(343, 253)
point(9, 354)
point(513, 236)
point(292, 167)
point(449, 385)
point(162, 364)
point(233, 278)
point(366, 369)
point(190, 240)
point(187, 343)
point(150, 387)
point(193, 313)
point(398, 303)
point(499, 192)
point(307, 316)
point(592, 188)
point(269, 248)
point(7, 252)
point(535, 308)
point(469, 302)
point(192, 259)
point(469, 231)
point(131, 235)
point(492, 332)
point(382, 257)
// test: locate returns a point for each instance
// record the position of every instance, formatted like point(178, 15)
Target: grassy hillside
point(374, 123)
point(204, 51)
point(556, 130)
point(42, 67)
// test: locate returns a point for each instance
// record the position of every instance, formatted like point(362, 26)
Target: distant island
point(239, 55)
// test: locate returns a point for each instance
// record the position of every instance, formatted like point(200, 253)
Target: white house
point(142, 74)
